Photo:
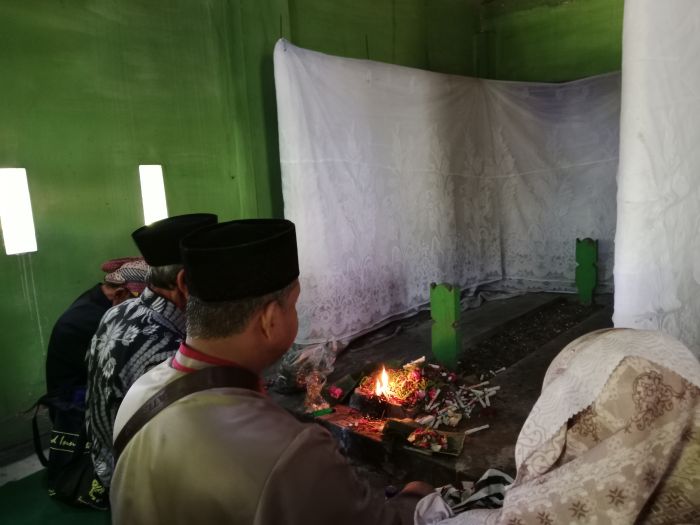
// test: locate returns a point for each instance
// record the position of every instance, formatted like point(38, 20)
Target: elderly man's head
point(164, 277)
point(242, 278)
point(125, 279)
point(159, 243)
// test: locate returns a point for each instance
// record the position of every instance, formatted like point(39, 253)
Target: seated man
point(66, 370)
point(138, 334)
point(231, 455)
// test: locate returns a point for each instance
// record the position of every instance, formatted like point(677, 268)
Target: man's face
point(116, 294)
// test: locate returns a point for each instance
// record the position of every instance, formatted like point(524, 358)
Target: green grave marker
point(586, 268)
point(444, 310)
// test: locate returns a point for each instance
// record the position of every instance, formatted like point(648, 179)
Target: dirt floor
point(515, 339)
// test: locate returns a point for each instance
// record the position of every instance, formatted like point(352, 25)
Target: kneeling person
point(231, 455)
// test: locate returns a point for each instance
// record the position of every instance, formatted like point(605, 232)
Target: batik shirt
point(131, 339)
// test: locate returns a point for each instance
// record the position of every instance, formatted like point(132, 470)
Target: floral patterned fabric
point(131, 339)
point(630, 456)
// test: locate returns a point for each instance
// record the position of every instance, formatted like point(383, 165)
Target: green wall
point(90, 89)
point(549, 40)
point(437, 35)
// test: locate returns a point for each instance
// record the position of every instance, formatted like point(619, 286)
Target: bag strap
point(35, 432)
point(197, 381)
point(53, 400)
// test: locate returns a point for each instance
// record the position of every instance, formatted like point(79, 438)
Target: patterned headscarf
point(129, 272)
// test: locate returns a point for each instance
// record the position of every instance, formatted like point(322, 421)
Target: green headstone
point(444, 310)
point(586, 268)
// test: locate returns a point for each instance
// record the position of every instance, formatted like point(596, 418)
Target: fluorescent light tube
point(16, 218)
point(155, 207)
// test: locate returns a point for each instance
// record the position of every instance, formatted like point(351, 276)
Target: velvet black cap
point(159, 243)
point(240, 259)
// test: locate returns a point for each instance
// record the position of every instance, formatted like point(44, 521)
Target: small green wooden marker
point(444, 310)
point(586, 268)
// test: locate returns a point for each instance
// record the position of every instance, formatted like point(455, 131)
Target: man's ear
point(268, 318)
point(182, 283)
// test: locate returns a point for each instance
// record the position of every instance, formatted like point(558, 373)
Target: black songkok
point(159, 243)
point(240, 259)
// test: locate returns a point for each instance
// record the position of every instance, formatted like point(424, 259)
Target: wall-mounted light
point(155, 207)
point(16, 218)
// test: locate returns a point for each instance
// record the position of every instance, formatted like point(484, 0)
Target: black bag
point(71, 475)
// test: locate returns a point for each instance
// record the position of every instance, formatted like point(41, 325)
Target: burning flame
point(382, 387)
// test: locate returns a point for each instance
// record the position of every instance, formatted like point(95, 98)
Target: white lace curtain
point(398, 177)
point(657, 257)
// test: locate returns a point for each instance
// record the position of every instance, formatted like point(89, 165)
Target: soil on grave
point(517, 338)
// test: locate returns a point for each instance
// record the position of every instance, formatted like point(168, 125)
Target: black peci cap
point(240, 259)
point(159, 243)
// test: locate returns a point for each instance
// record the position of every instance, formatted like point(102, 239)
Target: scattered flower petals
point(335, 392)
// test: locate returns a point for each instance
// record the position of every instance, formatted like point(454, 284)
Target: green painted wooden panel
point(586, 268)
point(445, 336)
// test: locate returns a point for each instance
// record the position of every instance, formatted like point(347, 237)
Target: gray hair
point(216, 320)
point(163, 276)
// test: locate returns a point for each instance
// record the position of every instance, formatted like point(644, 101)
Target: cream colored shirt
point(231, 455)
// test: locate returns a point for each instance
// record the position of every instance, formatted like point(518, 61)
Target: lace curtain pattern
point(398, 177)
point(657, 247)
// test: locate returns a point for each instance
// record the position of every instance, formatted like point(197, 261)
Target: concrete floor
point(20, 469)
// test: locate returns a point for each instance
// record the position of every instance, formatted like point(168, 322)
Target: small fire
point(382, 387)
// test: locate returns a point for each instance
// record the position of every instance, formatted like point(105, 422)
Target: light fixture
point(16, 218)
point(155, 207)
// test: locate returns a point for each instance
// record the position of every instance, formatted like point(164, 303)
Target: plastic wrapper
point(303, 362)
